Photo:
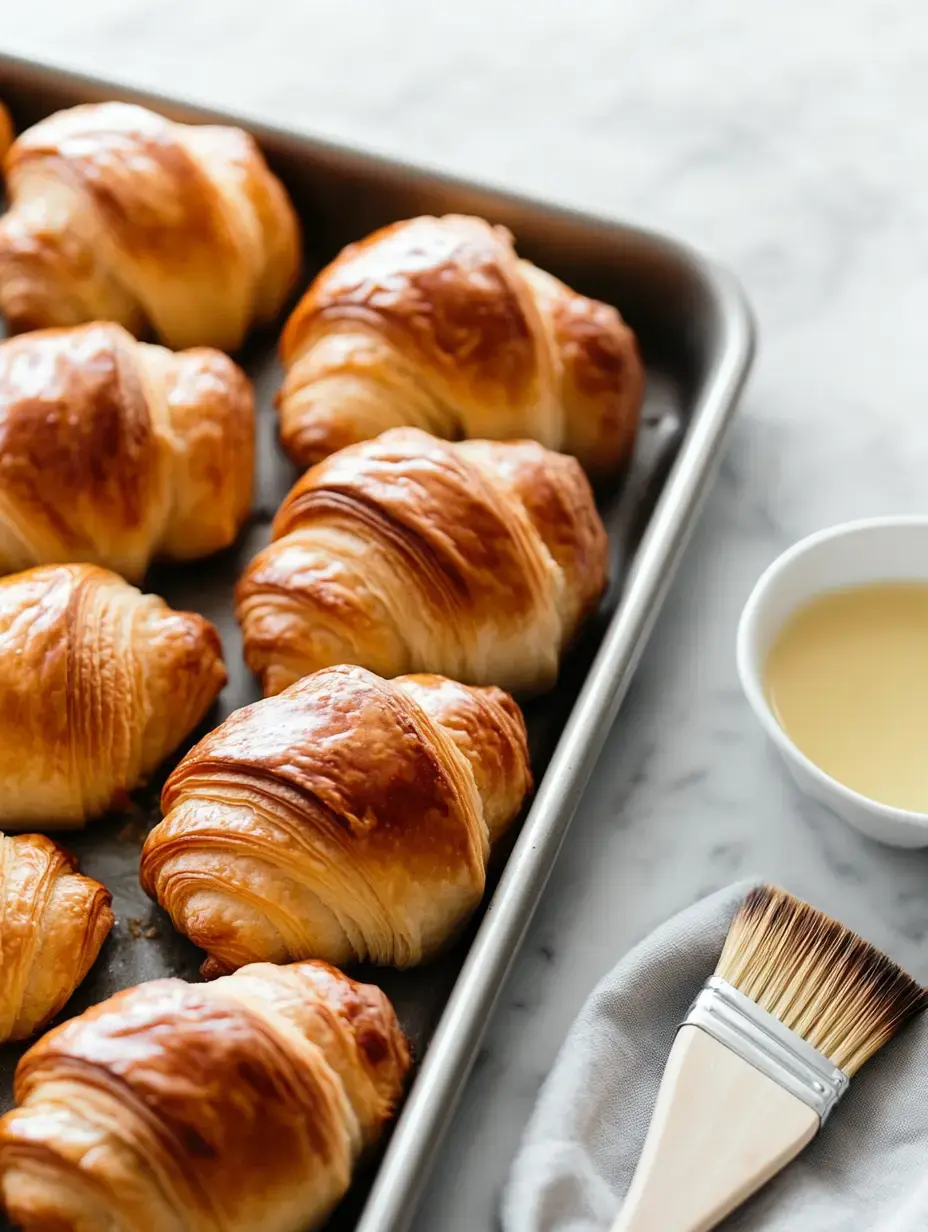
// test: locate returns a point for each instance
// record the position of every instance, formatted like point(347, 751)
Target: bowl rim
point(750, 678)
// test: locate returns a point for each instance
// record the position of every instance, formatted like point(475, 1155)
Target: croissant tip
point(212, 969)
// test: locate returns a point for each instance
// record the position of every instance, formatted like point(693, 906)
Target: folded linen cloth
point(866, 1172)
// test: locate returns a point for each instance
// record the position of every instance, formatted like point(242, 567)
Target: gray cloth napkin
point(866, 1172)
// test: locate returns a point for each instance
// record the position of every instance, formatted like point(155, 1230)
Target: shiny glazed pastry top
point(53, 921)
point(436, 323)
point(348, 818)
point(98, 683)
point(120, 214)
point(224, 1107)
point(476, 560)
point(115, 451)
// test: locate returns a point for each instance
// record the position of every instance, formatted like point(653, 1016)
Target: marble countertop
point(787, 141)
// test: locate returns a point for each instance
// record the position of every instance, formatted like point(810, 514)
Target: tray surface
point(696, 338)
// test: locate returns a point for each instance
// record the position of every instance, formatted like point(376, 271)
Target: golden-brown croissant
point(476, 560)
point(98, 683)
point(436, 323)
point(120, 214)
point(347, 818)
point(115, 451)
point(53, 921)
point(224, 1107)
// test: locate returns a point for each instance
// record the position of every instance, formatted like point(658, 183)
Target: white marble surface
point(786, 139)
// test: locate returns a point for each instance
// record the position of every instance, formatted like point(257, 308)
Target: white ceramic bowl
point(855, 553)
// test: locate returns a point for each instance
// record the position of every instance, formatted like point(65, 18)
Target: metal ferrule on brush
point(764, 1042)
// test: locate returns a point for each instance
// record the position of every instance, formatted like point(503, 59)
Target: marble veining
point(787, 140)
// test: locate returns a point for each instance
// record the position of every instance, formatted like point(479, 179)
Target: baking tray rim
point(431, 1101)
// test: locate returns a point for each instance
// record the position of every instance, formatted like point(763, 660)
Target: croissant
point(476, 560)
point(53, 921)
point(222, 1107)
point(98, 683)
point(120, 214)
point(436, 323)
point(348, 818)
point(115, 451)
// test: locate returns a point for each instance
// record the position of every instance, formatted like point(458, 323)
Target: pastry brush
point(796, 1006)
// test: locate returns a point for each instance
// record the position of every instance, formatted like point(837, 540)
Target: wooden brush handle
point(720, 1130)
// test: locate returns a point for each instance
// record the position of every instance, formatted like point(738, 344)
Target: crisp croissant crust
point(53, 921)
point(347, 818)
point(404, 554)
point(120, 214)
point(436, 323)
point(114, 451)
point(223, 1107)
point(98, 683)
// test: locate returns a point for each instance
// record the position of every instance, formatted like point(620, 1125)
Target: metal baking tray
point(696, 335)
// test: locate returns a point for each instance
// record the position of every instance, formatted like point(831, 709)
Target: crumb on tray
point(138, 928)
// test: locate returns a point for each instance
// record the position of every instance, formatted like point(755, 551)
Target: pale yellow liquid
point(848, 681)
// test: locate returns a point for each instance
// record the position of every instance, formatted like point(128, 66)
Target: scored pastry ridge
point(436, 323)
point(53, 921)
point(116, 452)
point(238, 1104)
point(98, 683)
point(347, 818)
point(477, 560)
point(119, 213)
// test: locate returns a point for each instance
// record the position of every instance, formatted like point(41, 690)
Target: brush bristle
point(817, 977)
